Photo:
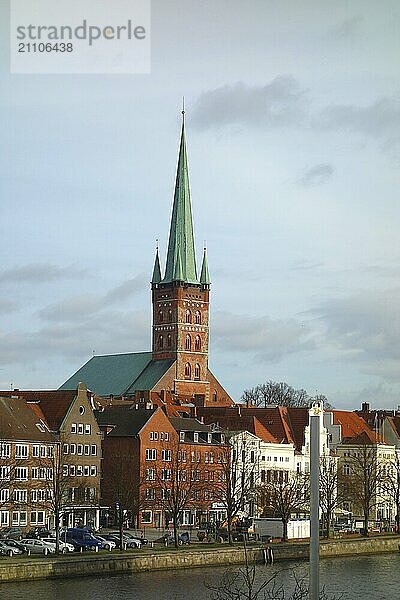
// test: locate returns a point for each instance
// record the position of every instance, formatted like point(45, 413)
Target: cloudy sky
point(293, 132)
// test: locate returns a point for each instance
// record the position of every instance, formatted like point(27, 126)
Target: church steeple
point(205, 275)
point(181, 239)
point(156, 278)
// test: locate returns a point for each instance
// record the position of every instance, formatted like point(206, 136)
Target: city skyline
point(292, 124)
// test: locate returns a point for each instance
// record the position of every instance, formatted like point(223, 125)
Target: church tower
point(180, 299)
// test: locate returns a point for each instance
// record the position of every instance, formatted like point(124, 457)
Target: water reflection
point(367, 578)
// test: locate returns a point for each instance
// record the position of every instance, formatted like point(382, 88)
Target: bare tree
point(237, 479)
point(273, 393)
point(59, 488)
point(283, 494)
point(179, 484)
point(331, 492)
point(391, 484)
point(121, 486)
point(361, 475)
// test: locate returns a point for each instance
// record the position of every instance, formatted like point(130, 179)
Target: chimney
point(365, 407)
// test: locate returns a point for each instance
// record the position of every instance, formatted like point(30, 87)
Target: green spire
point(205, 275)
point(156, 278)
point(181, 240)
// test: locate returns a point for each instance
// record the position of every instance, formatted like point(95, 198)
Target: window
point(21, 473)
point(151, 436)
point(211, 457)
point(35, 451)
point(197, 371)
point(146, 516)
point(65, 470)
point(206, 457)
point(181, 436)
point(80, 449)
point(209, 438)
point(43, 451)
point(42, 473)
point(88, 428)
point(73, 427)
point(197, 317)
point(23, 518)
point(166, 455)
point(188, 371)
point(188, 316)
point(20, 495)
point(170, 316)
point(252, 456)
point(79, 470)
point(81, 410)
point(93, 471)
point(86, 470)
point(160, 341)
point(188, 342)
point(94, 449)
point(65, 448)
point(197, 343)
point(35, 472)
point(5, 450)
point(80, 428)
point(169, 340)
point(346, 469)
point(4, 516)
point(162, 436)
point(184, 455)
point(86, 450)
point(150, 474)
point(72, 449)
point(156, 435)
point(166, 436)
point(50, 474)
point(160, 316)
point(166, 474)
point(165, 494)
point(195, 437)
point(150, 494)
point(151, 454)
point(21, 451)
point(72, 470)
point(5, 472)
point(4, 495)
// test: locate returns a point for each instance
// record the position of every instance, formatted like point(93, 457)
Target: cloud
point(347, 29)
point(379, 120)
point(106, 333)
point(7, 306)
point(364, 328)
point(268, 340)
point(78, 307)
point(279, 103)
point(41, 273)
point(316, 175)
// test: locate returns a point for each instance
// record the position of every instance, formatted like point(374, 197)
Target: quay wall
point(20, 569)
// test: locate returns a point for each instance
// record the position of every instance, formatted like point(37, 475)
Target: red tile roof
point(353, 426)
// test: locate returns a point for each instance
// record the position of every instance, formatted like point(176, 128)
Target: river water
point(364, 578)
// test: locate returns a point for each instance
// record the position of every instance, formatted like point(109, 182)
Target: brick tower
point(180, 298)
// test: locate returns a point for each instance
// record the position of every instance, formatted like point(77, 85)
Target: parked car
point(15, 544)
point(106, 543)
point(63, 546)
point(12, 533)
point(37, 546)
point(128, 540)
point(80, 538)
point(7, 550)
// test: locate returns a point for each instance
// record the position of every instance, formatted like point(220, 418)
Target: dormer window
point(196, 437)
point(222, 438)
point(181, 436)
point(209, 438)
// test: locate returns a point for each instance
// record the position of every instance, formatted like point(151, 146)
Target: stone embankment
point(20, 569)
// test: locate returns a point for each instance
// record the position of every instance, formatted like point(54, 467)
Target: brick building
point(26, 452)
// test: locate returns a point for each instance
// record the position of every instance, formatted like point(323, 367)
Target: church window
point(160, 316)
point(197, 317)
point(188, 316)
point(197, 371)
point(170, 316)
point(188, 342)
point(197, 343)
point(160, 341)
point(214, 396)
point(169, 340)
point(188, 371)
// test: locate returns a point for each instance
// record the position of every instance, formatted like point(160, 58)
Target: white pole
point(314, 500)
